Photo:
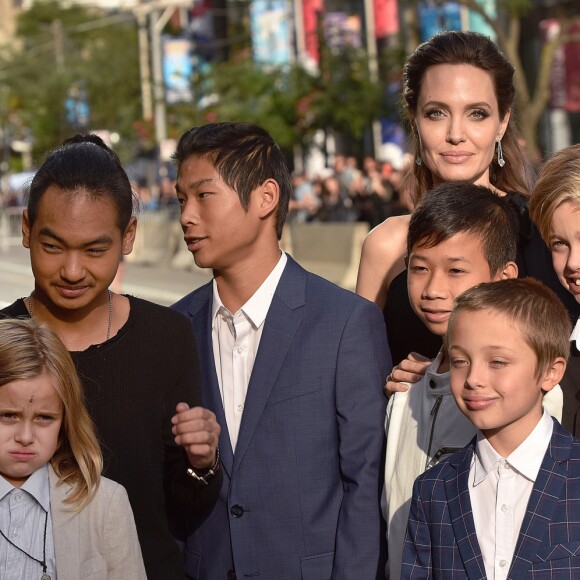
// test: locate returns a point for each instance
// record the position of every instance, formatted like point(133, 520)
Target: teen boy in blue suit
point(508, 504)
point(293, 367)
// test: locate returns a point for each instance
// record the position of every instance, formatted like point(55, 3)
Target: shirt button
point(502, 563)
point(240, 349)
point(432, 383)
point(240, 408)
point(504, 508)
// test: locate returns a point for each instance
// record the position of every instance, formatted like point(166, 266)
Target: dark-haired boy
point(508, 504)
point(293, 367)
point(460, 235)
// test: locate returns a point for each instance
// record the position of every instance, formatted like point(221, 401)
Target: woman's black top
point(571, 390)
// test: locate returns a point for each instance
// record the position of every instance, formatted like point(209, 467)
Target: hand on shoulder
point(406, 373)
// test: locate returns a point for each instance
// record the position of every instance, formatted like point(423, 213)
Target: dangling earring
point(418, 161)
point(500, 159)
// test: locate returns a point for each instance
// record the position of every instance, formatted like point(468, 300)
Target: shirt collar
point(256, 308)
point(576, 334)
point(525, 459)
point(438, 382)
point(37, 485)
point(217, 305)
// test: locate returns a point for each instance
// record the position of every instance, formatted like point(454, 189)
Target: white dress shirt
point(22, 514)
point(236, 338)
point(506, 484)
point(576, 334)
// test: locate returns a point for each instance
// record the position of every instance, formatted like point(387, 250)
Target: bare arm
point(382, 258)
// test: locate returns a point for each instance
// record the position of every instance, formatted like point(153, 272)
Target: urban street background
point(322, 76)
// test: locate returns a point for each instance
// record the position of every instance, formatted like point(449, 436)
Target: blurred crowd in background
point(347, 191)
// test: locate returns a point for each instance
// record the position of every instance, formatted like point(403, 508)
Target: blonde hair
point(558, 182)
point(28, 349)
point(533, 308)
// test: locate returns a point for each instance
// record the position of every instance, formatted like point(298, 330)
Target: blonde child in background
point(58, 516)
point(555, 209)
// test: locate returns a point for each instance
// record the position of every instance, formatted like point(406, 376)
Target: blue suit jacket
point(441, 540)
point(301, 495)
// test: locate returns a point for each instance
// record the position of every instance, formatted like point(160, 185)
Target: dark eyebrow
point(481, 105)
point(193, 184)
point(100, 240)
point(450, 259)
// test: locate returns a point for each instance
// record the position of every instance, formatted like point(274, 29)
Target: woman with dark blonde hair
point(458, 100)
point(50, 469)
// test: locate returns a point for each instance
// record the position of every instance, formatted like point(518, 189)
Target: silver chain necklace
point(110, 300)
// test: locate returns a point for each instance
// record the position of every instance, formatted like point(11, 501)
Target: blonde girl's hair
point(28, 349)
point(558, 182)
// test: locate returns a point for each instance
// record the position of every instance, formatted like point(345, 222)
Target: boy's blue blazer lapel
point(200, 311)
point(547, 491)
point(461, 513)
point(283, 319)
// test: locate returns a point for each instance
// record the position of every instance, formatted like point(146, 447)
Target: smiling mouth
point(478, 404)
point(435, 315)
point(456, 157)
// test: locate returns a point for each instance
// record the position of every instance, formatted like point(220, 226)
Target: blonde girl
point(58, 516)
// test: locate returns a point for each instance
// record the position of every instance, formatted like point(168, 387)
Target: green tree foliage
point(245, 91)
point(69, 51)
point(347, 99)
point(289, 101)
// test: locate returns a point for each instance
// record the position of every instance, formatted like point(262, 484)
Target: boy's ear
point(129, 236)
point(25, 229)
point(268, 198)
point(553, 374)
point(510, 270)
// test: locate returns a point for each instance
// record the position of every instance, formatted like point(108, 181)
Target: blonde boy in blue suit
point(293, 367)
point(508, 504)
